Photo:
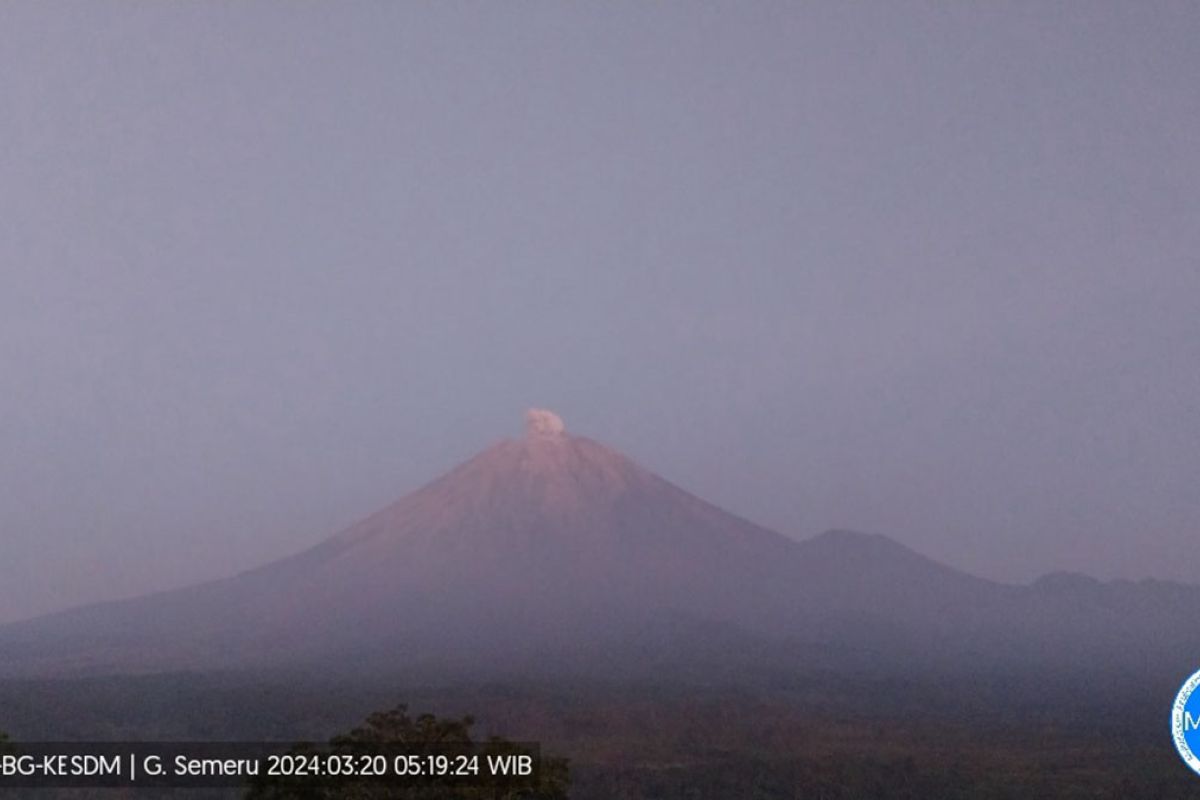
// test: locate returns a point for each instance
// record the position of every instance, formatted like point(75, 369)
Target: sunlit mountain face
point(553, 551)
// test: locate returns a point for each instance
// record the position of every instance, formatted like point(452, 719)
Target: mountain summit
point(554, 546)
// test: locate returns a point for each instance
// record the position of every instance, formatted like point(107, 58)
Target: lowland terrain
point(819, 735)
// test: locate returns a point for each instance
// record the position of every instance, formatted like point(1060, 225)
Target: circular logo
point(1185, 722)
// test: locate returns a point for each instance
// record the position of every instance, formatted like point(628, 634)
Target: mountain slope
point(554, 546)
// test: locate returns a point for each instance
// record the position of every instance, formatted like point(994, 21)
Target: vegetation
point(829, 736)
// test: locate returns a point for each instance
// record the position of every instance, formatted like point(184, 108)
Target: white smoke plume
point(540, 422)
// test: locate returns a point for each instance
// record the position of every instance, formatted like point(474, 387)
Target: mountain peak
point(872, 546)
point(843, 538)
point(540, 422)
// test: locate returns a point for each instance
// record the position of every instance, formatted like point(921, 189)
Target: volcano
point(553, 548)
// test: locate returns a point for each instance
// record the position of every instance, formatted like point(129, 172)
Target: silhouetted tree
point(426, 733)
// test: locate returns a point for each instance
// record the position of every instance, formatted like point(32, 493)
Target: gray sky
point(929, 270)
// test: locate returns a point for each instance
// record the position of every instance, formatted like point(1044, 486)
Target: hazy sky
point(929, 270)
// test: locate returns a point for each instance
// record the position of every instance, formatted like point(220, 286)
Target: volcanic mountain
point(555, 548)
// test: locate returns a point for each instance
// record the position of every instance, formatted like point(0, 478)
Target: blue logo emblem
point(1185, 722)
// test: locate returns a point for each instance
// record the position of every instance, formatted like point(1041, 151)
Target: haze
point(921, 270)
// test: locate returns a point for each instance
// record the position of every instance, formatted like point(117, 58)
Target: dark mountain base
point(818, 735)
